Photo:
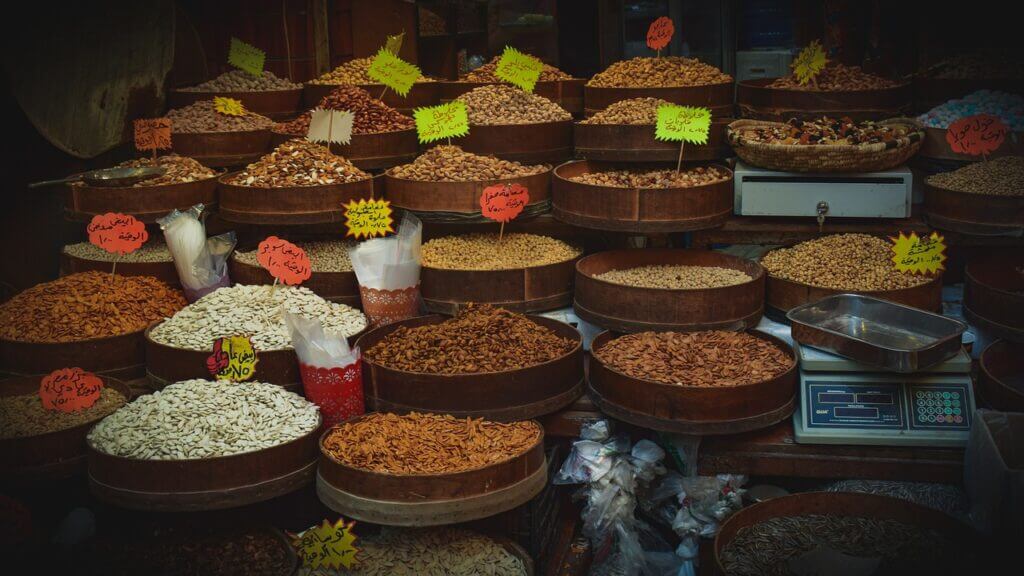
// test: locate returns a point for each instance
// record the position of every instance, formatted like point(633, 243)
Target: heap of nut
point(201, 117)
point(836, 77)
point(998, 177)
point(239, 81)
point(675, 277)
point(324, 255)
point(152, 251)
point(503, 104)
point(486, 73)
point(453, 164)
point(857, 262)
point(487, 252)
point(298, 163)
point(654, 178)
point(828, 131)
point(355, 71)
point(369, 114)
point(179, 169)
point(631, 111)
point(658, 72)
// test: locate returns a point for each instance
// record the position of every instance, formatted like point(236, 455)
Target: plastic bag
point(201, 262)
point(332, 375)
point(388, 270)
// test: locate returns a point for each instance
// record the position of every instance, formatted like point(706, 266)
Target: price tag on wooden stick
point(117, 233)
point(977, 135)
point(246, 57)
point(449, 120)
point(152, 134)
point(327, 545)
point(285, 261)
point(919, 255)
point(233, 358)
point(683, 124)
point(659, 33)
point(809, 62)
point(503, 202)
point(519, 69)
point(70, 390)
point(368, 218)
point(330, 126)
point(393, 72)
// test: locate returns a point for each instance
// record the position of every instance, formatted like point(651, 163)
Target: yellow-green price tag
point(394, 43)
point(925, 255)
point(809, 62)
point(228, 106)
point(449, 120)
point(519, 69)
point(246, 57)
point(683, 123)
point(393, 72)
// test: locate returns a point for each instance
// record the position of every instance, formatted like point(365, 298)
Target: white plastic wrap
point(201, 262)
point(314, 347)
point(388, 270)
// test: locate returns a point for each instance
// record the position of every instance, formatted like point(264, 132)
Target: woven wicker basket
point(838, 158)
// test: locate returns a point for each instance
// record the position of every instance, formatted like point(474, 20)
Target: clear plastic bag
point(388, 270)
point(201, 262)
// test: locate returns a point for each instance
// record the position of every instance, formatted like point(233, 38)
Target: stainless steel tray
point(877, 332)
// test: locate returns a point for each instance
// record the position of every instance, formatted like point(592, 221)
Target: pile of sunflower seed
point(203, 419)
point(254, 311)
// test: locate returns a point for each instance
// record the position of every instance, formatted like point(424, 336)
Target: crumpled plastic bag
point(201, 262)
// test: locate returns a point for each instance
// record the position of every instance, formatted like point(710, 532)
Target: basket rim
point(737, 140)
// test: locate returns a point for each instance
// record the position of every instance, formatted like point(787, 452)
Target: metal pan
point(109, 177)
point(877, 332)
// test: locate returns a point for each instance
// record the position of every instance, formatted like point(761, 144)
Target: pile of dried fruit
point(87, 305)
point(24, 415)
point(999, 177)
point(369, 114)
point(298, 163)
point(645, 72)
point(827, 131)
point(631, 111)
point(494, 104)
point(675, 277)
point(486, 73)
point(484, 252)
point(482, 338)
point(713, 358)
point(427, 443)
point(836, 77)
point(180, 169)
point(201, 117)
point(841, 262)
point(453, 164)
point(354, 71)
point(654, 178)
point(239, 81)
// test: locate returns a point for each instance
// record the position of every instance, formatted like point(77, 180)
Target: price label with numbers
point(246, 57)
point(503, 202)
point(233, 358)
point(152, 133)
point(285, 261)
point(393, 72)
point(70, 390)
point(660, 32)
point(327, 545)
point(519, 69)
point(977, 135)
point(368, 218)
point(117, 233)
point(683, 124)
point(809, 62)
point(449, 120)
point(919, 255)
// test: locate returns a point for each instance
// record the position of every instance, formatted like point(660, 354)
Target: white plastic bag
point(388, 270)
point(201, 262)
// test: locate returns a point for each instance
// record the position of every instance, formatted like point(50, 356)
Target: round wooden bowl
point(375, 151)
point(639, 210)
point(290, 205)
point(222, 149)
point(566, 93)
point(122, 356)
point(967, 213)
point(696, 410)
point(636, 143)
point(930, 92)
point(1001, 376)
point(850, 504)
point(717, 97)
point(53, 455)
point(502, 396)
point(759, 102)
point(534, 289)
point(936, 147)
point(204, 483)
point(459, 197)
point(163, 271)
point(994, 294)
point(146, 203)
point(631, 309)
point(430, 499)
point(420, 95)
point(341, 287)
point(782, 294)
point(274, 104)
point(538, 143)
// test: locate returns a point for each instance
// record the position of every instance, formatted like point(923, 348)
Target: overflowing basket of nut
point(553, 84)
point(266, 94)
point(199, 131)
point(678, 80)
point(331, 278)
point(424, 92)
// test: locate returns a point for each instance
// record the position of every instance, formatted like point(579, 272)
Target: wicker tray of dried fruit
point(826, 144)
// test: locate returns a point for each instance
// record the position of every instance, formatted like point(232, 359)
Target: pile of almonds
point(661, 178)
point(642, 72)
point(298, 163)
point(486, 73)
point(836, 77)
point(631, 111)
point(453, 164)
point(369, 114)
point(201, 117)
point(493, 104)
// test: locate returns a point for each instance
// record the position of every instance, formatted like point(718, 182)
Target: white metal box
point(762, 64)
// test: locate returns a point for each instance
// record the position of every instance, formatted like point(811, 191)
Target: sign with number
point(284, 260)
point(683, 123)
point(918, 255)
point(660, 32)
point(809, 62)
point(233, 358)
point(504, 202)
point(368, 218)
point(70, 390)
point(519, 69)
point(117, 233)
point(330, 126)
point(327, 545)
point(152, 133)
point(246, 57)
point(977, 135)
point(449, 120)
point(393, 72)
point(228, 106)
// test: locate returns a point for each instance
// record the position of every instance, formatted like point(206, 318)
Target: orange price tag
point(503, 202)
point(152, 133)
point(977, 135)
point(117, 233)
point(284, 260)
point(70, 390)
point(660, 33)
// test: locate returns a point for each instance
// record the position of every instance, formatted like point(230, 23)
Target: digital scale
point(845, 402)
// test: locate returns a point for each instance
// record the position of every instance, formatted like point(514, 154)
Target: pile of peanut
point(631, 111)
point(643, 72)
point(836, 77)
point(485, 252)
point(660, 178)
point(503, 104)
point(369, 114)
point(453, 164)
point(298, 163)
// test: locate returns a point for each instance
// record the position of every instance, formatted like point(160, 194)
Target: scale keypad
point(939, 407)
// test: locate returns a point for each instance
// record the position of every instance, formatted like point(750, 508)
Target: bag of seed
point(332, 376)
point(201, 262)
point(388, 270)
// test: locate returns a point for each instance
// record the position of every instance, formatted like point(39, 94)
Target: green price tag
point(519, 69)
point(394, 43)
point(393, 72)
point(438, 122)
point(683, 123)
point(246, 57)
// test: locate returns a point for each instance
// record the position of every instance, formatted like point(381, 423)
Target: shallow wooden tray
point(274, 104)
point(566, 93)
point(1001, 377)
point(459, 197)
point(290, 205)
point(757, 101)
point(222, 149)
point(636, 143)
point(717, 97)
point(994, 293)
point(538, 143)
point(146, 203)
point(979, 214)
point(122, 356)
point(163, 271)
point(341, 287)
point(534, 289)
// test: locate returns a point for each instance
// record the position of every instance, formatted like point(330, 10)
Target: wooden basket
point(838, 158)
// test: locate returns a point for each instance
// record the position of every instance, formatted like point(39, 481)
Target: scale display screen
point(840, 404)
